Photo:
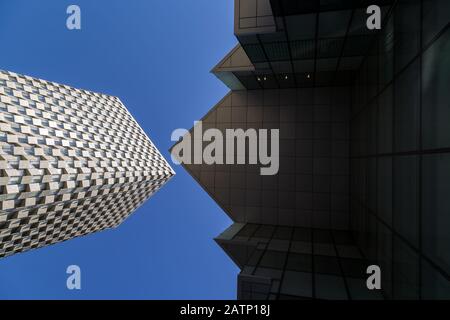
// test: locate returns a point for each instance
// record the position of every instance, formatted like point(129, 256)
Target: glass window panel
point(434, 285)
point(268, 273)
point(273, 259)
point(357, 46)
point(436, 94)
point(299, 262)
point(322, 236)
point(372, 128)
point(406, 193)
point(333, 23)
point(436, 15)
point(385, 258)
point(303, 49)
point(255, 52)
point(407, 99)
point(350, 63)
point(385, 121)
point(384, 192)
point(330, 287)
point(283, 233)
point(272, 37)
point(264, 232)
point(327, 48)
point(326, 265)
point(297, 284)
point(386, 53)
point(436, 209)
point(282, 67)
point(407, 32)
point(327, 64)
point(372, 184)
point(406, 271)
point(255, 257)
point(301, 27)
point(247, 230)
point(354, 268)
point(302, 234)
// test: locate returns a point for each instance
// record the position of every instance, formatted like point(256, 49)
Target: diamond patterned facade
point(72, 162)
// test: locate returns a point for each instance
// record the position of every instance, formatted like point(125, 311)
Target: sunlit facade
point(72, 162)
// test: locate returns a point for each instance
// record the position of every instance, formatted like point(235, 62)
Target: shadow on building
point(364, 174)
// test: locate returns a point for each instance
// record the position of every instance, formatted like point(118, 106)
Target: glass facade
point(364, 153)
point(298, 263)
point(311, 188)
point(399, 151)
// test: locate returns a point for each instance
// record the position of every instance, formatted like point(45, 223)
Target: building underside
point(364, 170)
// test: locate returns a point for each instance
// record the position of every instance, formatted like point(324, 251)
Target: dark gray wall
point(312, 186)
point(400, 152)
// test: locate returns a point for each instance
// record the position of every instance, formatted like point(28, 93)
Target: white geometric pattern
point(72, 162)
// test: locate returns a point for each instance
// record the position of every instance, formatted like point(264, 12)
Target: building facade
point(72, 162)
point(364, 144)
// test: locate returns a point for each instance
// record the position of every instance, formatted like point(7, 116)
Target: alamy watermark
point(237, 146)
point(374, 280)
point(73, 21)
point(74, 280)
point(374, 20)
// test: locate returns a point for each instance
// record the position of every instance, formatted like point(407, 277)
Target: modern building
point(364, 172)
point(72, 162)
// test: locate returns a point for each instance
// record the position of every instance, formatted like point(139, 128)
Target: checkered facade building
point(72, 162)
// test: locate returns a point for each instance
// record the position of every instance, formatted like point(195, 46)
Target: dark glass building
point(364, 174)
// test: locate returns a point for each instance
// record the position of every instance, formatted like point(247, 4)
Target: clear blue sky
point(156, 56)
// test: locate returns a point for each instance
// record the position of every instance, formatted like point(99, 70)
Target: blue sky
point(156, 56)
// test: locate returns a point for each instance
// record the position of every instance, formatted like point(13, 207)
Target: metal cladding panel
point(72, 162)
